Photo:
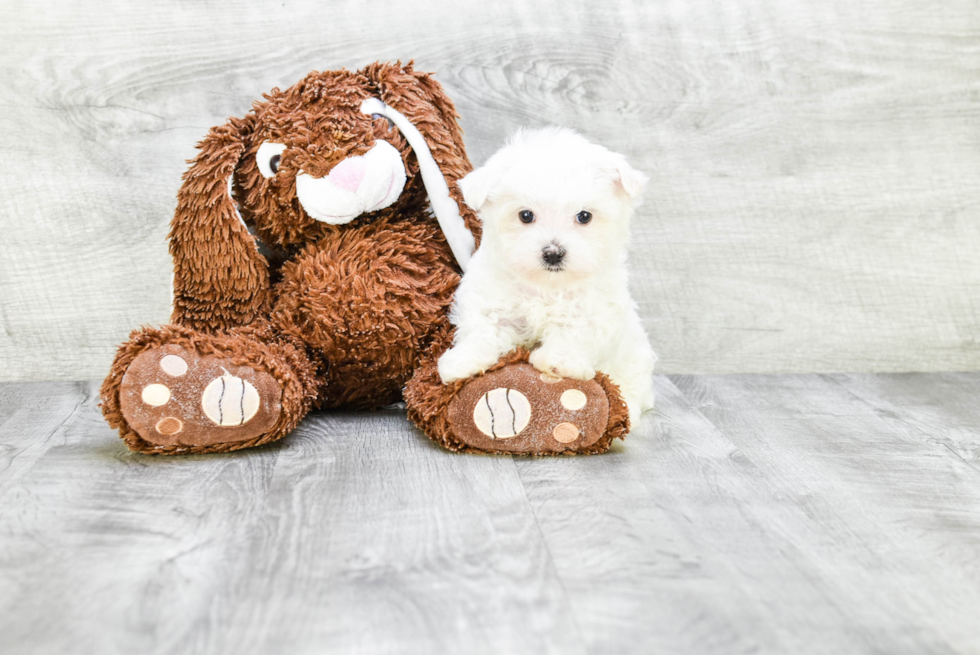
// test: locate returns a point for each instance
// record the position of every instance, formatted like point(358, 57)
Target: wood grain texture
point(355, 536)
point(946, 411)
point(747, 514)
point(813, 202)
point(865, 502)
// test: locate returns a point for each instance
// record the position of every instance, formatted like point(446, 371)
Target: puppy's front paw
point(562, 363)
point(458, 364)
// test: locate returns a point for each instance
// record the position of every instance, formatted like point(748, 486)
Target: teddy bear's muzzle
point(355, 186)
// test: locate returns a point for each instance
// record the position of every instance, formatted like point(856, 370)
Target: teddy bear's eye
point(269, 157)
point(526, 216)
point(583, 217)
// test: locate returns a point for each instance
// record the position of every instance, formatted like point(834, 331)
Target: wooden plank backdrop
point(814, 201)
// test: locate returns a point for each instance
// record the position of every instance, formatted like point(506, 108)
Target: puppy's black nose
point(552, 254)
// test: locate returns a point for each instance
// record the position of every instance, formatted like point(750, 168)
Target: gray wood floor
point(748, 514)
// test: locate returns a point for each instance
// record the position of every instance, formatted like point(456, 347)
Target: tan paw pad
point(565, 433)
point(169, 425)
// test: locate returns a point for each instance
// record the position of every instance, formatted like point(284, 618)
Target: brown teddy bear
point(310, 271)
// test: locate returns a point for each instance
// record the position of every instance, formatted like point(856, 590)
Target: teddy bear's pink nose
point(348, 174)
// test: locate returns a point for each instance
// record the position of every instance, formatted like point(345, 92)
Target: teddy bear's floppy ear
point(425, 104)
point(220, 279)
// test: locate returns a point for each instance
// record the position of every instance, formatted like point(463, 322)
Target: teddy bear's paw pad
point(502, 413)
point(174, 396)
point(517, 409)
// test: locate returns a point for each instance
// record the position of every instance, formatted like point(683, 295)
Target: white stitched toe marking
point(573, 399)
point(156, 395)
point(173, 365)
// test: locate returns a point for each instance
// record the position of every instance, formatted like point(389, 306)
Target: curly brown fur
point(220, 279)
point(396, 289)
point(257, 346)
point(428, 400)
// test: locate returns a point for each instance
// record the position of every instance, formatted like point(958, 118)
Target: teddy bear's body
point(368, 302)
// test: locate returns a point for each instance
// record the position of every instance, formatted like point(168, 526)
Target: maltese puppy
point(550, 274)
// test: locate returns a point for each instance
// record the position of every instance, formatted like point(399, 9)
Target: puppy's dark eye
point(526, 216)
point(583, 217)
point(274, 163)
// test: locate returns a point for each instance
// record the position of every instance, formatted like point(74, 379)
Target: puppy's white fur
point(580, 318)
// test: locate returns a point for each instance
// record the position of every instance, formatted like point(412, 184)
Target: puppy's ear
point(480, 184)
point(476, 187)
point(631, 180)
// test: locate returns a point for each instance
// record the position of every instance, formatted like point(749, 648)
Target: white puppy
point(550, 274)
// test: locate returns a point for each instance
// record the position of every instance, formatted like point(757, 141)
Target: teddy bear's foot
point(515, 409)
point(518, 409)
point(172, 397)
